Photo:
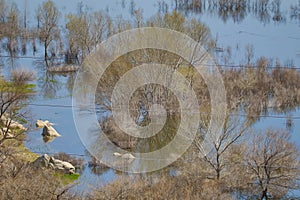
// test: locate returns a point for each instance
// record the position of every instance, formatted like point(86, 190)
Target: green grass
point(67, 178)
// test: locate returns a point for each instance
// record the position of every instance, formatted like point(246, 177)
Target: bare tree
point(10, 27)
point(3, 10)
point(249, 53)
point(47, 16)
point(233, 130)
point(85, 31)
point(273, 162)
point(138, 17)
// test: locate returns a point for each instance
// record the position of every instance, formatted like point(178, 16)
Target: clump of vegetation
point(166, 187)
point(262, 87)
point(19, 181)
point(274, 164)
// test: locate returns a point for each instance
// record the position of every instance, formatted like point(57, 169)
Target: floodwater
point(270, 38)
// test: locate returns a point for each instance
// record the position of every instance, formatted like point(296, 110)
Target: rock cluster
point(10, 127)
point(46, 161)
point(12, 124)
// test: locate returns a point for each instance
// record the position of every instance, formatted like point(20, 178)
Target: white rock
point(125, 156)
point(68, 166)
point(9, 135)
point(41, 124)
point(15, 124)
point(62, 165)
point(128, 156)
point(117, 154)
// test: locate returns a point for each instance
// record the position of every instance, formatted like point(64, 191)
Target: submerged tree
point(9, 27)
point(85, 31)
point(47, 16)
point(3, 10)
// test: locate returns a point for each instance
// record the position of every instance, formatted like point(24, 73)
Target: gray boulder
point(42, 161)
point(49, 131)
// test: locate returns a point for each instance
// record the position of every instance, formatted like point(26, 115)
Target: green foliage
point(14, 95)
point(66, 179)
point(174, 21)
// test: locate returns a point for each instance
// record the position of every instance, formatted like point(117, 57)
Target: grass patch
point(67, 178)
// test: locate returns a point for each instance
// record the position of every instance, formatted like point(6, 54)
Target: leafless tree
point(273, 162)
point(233, 130)
point(47, 16)
point(85, 31)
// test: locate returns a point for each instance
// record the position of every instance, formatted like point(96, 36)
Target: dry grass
point(165, 187)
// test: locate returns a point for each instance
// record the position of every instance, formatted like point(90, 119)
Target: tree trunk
point(218, 167)
point(46, 54)
point(45, 46)
point(264, 195)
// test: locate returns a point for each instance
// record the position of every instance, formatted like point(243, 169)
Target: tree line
point(84, 30)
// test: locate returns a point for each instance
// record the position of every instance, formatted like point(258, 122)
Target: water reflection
point(49, 84)
point(264, 11)
point(53, 85)
point(295, 12)
point(162, 138)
